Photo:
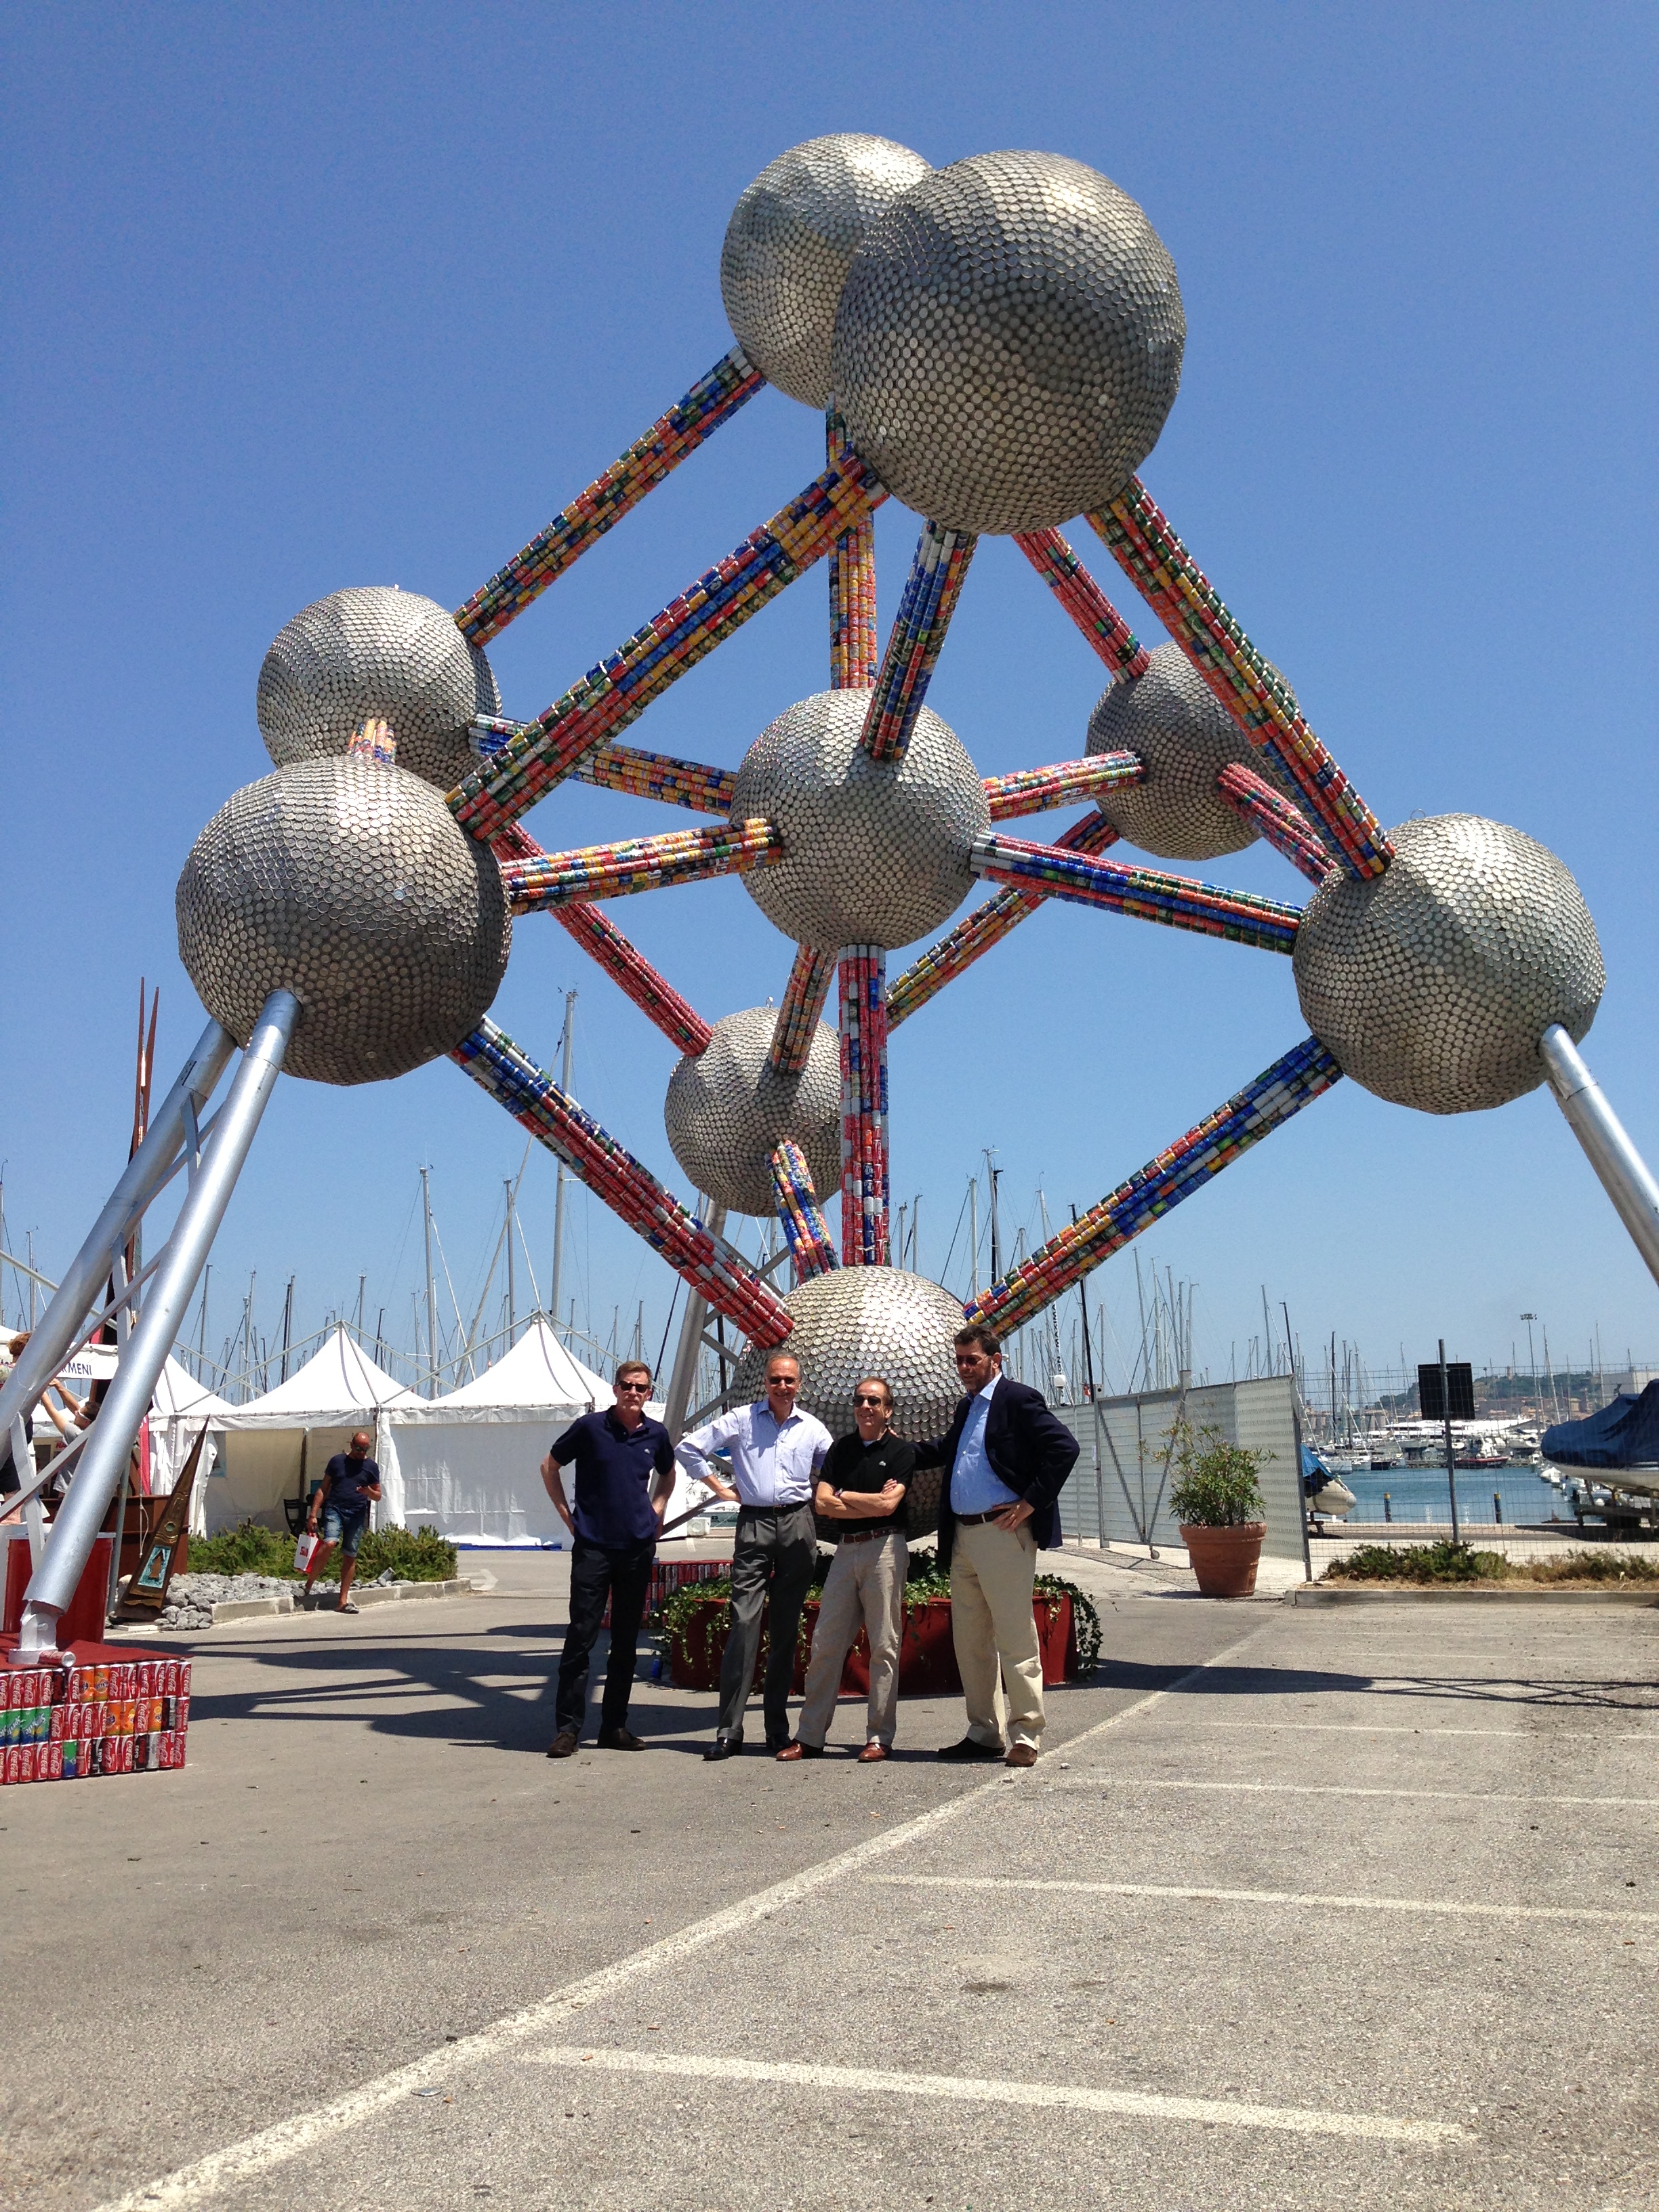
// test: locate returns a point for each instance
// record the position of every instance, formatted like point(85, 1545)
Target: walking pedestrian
point(624, 1476)
point(776, 1451)
point(1009, 1457)
point(861, 1490)
point(351, 1484)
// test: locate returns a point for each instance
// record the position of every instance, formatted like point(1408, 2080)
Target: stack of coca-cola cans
point(98, 1711)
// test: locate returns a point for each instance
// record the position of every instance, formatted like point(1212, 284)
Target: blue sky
point(307, 297)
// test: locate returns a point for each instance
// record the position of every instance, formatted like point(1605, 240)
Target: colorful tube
point(639, 864)
point(1282, 824)
point(1036, 790)
point(628, 768)
point(1283, 1089)
point(1147, 893)
point(810, 978)
point(931, 591)
point(1083, 601)
point(987, 924)
point(864, 1172)
point(613, 694)
point(655, 997)
point(712, 400)
point(810, 1245)
point(853, 647)
point(715, 1271)
point(1255, 694)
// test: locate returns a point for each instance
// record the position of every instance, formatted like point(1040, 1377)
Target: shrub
point(414, 1555)
point(1216, 1486)
point(1444, 1562)
point(1608, 1566)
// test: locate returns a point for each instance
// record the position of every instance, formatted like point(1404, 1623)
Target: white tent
point(471, 1462)
point(276, 1447)
point(178, 1412)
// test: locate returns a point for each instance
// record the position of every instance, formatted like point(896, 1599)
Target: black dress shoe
point(724, 1746)
point(620, 1739)
point(969, 1749)
point(563, 1745)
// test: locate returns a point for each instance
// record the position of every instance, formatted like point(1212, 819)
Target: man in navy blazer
point(1008, 1458)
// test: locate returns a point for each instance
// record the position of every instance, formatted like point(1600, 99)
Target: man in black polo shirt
point(624, 1471)
point(860, 1492)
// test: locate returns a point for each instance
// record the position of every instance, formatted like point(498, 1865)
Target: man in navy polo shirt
point(625, 1473)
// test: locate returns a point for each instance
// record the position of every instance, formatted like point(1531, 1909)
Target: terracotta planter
point(1224, 1559)
point(696, 1652)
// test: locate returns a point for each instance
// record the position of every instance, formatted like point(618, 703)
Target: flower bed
point(695, 1622)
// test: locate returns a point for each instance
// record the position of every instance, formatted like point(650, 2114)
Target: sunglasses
point(876, 1405)
point(639, 1390)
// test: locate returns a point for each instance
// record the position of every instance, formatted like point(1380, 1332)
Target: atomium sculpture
point(997, 344)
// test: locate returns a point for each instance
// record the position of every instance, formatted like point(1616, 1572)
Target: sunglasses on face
point(636, 1388)
point(874, 1405)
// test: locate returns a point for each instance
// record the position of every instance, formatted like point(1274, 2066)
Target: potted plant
point(1217, 1500)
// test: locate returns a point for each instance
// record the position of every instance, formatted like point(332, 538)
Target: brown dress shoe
point(798, 1750)
point(872, 1752)
point(619, 1739)
point(1021, 1754)
point(563, 1745)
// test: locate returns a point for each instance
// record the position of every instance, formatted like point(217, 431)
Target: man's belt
point(973, 1520)
point(865, 1535)
point(796, 1506)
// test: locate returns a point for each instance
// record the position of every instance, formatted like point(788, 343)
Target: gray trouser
point(865, 1583)
point(773, 1557)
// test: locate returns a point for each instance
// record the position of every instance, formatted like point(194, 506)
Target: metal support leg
point(684, 1381)
point(103, 1461)
point(1625, 1174)
point(82, 1287)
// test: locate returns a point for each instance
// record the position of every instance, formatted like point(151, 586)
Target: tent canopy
point(1625, 1434)
point(471, 1462)
point(339, 1384)
point(538, 1375)
point(277, 1447)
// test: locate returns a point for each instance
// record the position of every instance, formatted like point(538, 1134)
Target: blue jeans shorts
point(345, 1529)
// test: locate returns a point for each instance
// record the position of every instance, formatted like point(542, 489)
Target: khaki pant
point(992, 1570)
point(866, 1582)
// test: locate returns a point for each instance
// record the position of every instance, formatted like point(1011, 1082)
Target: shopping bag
point(305, 1544)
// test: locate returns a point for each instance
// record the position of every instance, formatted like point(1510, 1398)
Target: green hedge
point(414, 1555)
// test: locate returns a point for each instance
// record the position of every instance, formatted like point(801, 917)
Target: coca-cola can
point(53, 1755)
point(123, 1749)
point(169, 1678)
point(55, 1723)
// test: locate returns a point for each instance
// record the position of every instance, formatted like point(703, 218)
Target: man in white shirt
point(776, 1451)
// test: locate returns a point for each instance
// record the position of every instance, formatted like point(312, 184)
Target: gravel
point(191, 1598)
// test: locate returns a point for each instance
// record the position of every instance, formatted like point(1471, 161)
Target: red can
point(60, 1682)
point(146, 1683)
point(169, 1678)
point(178, 1746)
point(52, 1754)
point(55, 1724)
point(23, 1685)
point(183, 1712)
point(122, 1763)
point(9, 1764)
point(26, 1755)
point(184, 1678)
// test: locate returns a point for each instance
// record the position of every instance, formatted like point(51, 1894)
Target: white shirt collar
point(989, 1387)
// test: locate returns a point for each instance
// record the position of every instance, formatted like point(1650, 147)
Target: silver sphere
point(1433, 982)
point(856, 1321)
point(875, 853)
point(352, 885)
point(1008, 342)
point(373, 651)
point(790, 244)
point(727, 1107)
point(1173, 722)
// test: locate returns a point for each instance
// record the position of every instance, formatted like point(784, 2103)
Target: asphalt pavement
point(1312, 1909)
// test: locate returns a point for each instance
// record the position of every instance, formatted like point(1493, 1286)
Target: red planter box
point(928, 1657)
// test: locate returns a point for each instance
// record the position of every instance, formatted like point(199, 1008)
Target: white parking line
point(1341, 1789)
point(206, 2177)
point(1392, 1727)
point(1299, 1897)
point(1131, 2104)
